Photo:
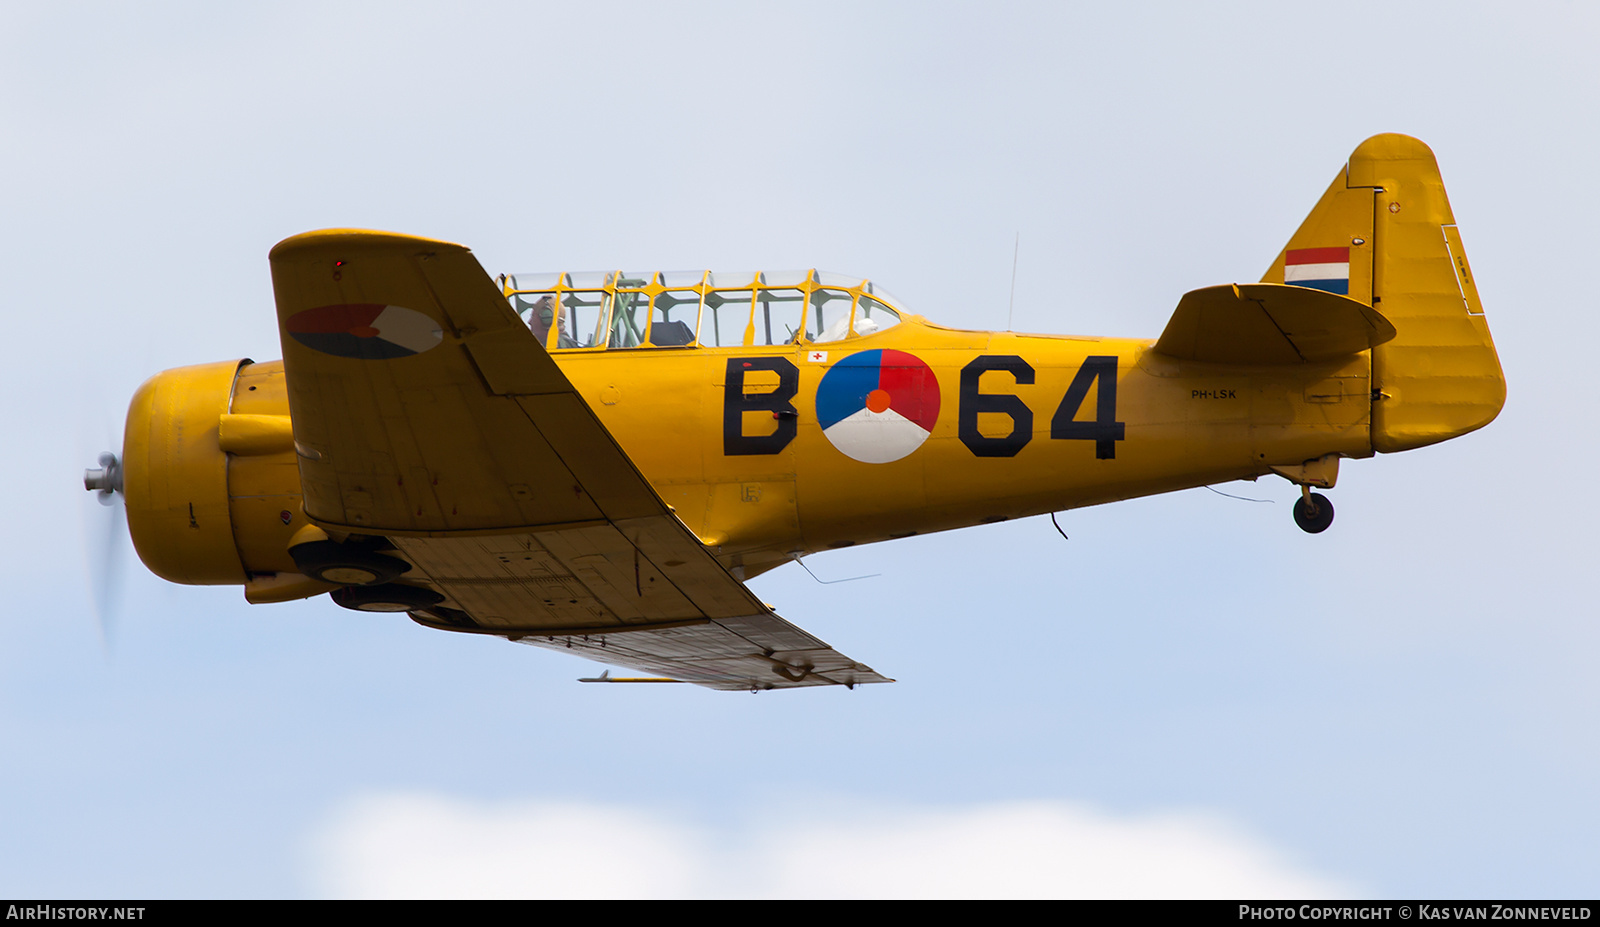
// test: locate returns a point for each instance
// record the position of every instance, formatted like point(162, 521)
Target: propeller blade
point(104, 543)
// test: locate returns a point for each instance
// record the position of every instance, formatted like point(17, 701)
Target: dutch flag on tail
point(1318, 268)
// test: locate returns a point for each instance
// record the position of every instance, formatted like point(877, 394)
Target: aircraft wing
point(425, 411)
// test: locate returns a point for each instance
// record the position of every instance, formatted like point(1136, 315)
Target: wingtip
point(354, 240)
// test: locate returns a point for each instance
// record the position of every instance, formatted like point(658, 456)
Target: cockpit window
point(580, 318)
point(778, 315)
point(621, 310)
point(725, 321)
point(673, 315)
point(874, 315)
point(828, 318)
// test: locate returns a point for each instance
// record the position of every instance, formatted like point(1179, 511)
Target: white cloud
point(427, 846)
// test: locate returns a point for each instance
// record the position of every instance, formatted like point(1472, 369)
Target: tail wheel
point(1313, 513)
point(346, 565)
point(388, 597)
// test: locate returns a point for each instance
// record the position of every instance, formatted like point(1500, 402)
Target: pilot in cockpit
point(539, 319)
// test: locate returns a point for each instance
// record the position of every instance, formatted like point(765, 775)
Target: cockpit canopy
point(617, 309)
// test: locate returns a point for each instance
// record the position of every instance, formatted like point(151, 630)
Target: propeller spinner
point(105, 479)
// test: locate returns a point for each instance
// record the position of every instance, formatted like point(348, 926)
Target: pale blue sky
point(1402, 706)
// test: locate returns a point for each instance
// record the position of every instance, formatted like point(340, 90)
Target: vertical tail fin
point(1383, 233)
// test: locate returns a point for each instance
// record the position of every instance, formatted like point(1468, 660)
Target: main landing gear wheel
point(1313, 512)
point(388, 597)
point(345, 564)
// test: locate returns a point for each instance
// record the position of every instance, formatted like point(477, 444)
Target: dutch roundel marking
point(878, 406)
point(367, 331)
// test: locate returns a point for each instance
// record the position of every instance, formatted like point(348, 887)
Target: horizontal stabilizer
point(1263, 324)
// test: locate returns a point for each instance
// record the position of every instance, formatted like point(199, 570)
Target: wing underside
point(597, 591)
point(426, 413)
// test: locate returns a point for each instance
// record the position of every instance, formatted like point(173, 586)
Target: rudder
point(1383, 233)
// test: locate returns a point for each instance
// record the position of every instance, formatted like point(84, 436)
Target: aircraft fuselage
point(735, 438)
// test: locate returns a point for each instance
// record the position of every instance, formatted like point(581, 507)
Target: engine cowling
point(175, 475)
point(210, 479)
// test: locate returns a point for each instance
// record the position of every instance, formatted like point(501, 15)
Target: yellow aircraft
point(596, 462)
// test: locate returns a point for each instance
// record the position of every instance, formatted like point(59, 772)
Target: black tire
point(389, 597)
point(1314, 518)
point(345, 564)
